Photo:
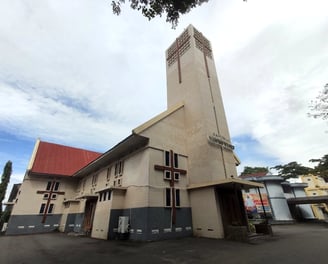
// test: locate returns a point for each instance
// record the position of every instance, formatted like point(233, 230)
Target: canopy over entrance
point(228, 184)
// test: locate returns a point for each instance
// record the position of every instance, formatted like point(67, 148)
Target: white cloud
point(74, 73)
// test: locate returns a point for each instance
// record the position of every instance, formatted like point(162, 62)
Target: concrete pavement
point(300, 243)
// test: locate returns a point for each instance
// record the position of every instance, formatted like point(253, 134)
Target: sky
point(73, 73)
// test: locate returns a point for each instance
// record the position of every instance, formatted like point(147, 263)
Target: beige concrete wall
point(204, 115)
point(169, 133)
point(29, 202)
point(101, 219)
point(157, 183)
point(206, 215)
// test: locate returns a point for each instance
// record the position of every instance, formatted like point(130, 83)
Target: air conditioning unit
point(123, 225)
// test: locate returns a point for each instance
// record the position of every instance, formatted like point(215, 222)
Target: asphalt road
point(301, 243)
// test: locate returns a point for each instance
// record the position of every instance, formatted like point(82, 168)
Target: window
point(119, 168)
point(43, 206)
point(176, 176)
point(83, 184)
point(51, 208)
point(105, 195)
point(94, 179)
point(108, 173)
point(176, 163)
point(167, 197)
point(48, 186)
point(167, 158)
point(167, 175)
point(177, 197)
point(56, 186)
point(45, 196)
point(54, 196)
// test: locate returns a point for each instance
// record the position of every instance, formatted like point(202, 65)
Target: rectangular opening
point(177, 198)
point(176, 163)
point(48, 186)
point(50, 209)
point(42, 208)
point(167, 158)
point(167, 175)
point(56, 186)
point(176, 176)
point(168, 197)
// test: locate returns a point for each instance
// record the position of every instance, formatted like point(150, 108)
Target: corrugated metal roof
point(61, 160)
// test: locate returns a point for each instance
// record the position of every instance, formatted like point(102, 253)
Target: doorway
point(233, 213)
point(89, 212)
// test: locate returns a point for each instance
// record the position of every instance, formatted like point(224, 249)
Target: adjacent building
point(317, 186)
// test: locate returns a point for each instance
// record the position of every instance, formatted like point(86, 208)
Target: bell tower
point(192, 79)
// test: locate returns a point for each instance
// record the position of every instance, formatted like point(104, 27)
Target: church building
point(174, 176)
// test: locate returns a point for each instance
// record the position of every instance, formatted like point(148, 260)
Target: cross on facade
point(173, 170)
point(204, 45)
point(52, 188)
point(182, 44)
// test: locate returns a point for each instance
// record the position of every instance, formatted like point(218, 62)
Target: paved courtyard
point(301, 243)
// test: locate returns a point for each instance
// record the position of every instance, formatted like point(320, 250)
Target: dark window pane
point(108, 173)
point(167, 158)
point(168, 197)
point(51, 207)
point(48, 186)
point(109, 194)
point(56, 186)
point(176, 163)
point(167, 175)
point(42, 208)
point(177, 197)
point(176, 176)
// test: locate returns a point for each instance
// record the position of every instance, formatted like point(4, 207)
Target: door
point(89, 212)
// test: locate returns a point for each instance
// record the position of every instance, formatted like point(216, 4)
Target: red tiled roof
point(61, 160)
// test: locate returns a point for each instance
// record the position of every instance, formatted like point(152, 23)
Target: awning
point(112, 188)
point(228, 184)
point(87, 196)
point(71, 201)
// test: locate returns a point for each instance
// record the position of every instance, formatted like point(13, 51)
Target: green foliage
point(153, 8)
point(4, 182)
point(251, 170)
point(321, 168)
point(319, 107)
point(292, 170)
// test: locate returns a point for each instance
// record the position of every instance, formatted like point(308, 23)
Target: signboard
point(253, 203)
point(220, 141)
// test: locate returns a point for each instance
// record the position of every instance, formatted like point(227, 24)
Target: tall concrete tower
point(192, 78)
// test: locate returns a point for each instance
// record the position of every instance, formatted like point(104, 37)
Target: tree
point(321, 168)
point(292, 170)
point(251, 170)
point(153, 8)
point(319, 107)
point(3, 187)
